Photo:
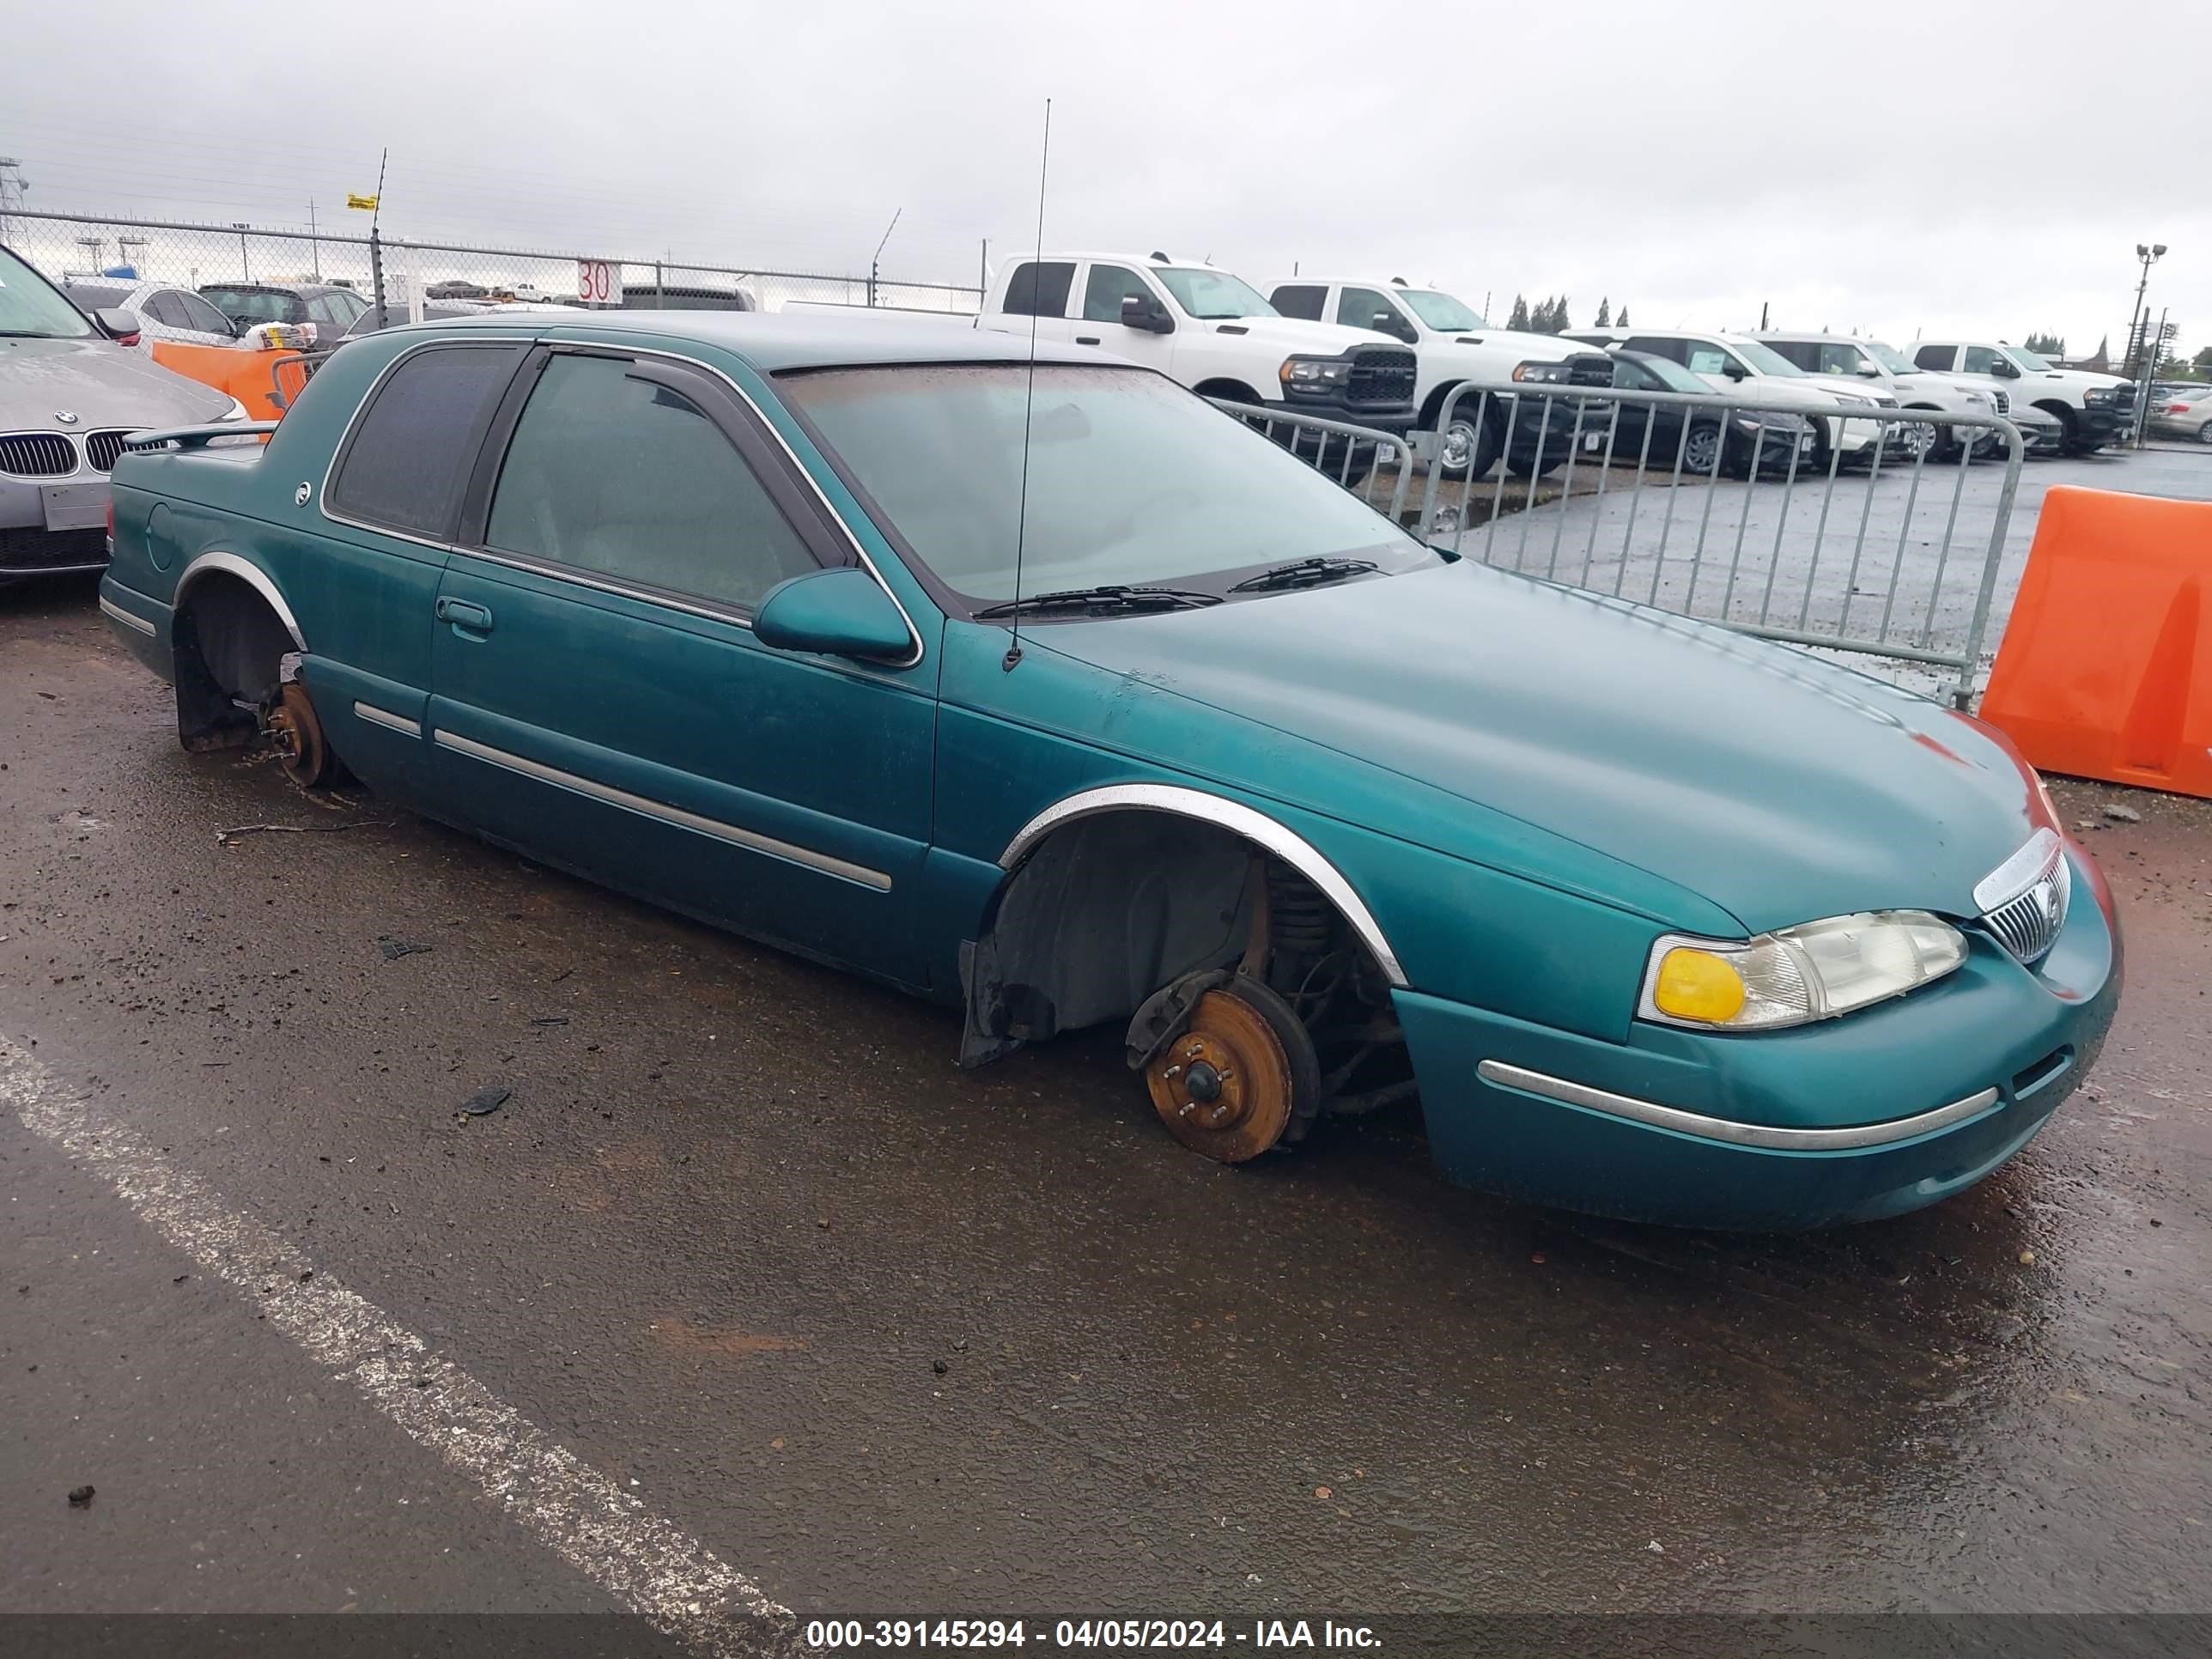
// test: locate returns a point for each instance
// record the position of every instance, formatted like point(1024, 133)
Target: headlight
point(1975, 400)
point(1798, 974)
point(1543, 373)
point(1856, 403)
point(1315, 372)
point(237, 412)
point(2097, 396)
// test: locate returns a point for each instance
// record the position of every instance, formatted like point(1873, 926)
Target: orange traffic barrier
point(2106, 669)
point(248, 376)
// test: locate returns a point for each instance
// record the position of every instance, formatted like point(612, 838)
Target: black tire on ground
point(1697, 454)
point(1946, 446)
point(2068, 444)
point(1483, 438)
point(1823, 454)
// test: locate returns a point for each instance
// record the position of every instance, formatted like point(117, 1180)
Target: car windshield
point(1891, 358)
point(2029, 361)
point(1440, 311)
point(1207, 294)
point(1670, 374)
point(30, 307)
point(1762, 359)
point(1129, 479)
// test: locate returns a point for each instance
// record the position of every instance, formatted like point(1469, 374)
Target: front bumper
point(1396, 419)
point(1848, 1119)
point(2103, 426)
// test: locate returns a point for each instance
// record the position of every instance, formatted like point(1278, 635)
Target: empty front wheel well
point(229, 643)
point(1234, 391)
point(1109, 906)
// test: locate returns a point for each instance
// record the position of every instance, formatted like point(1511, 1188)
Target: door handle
point(470, 620)
point(1086, 339)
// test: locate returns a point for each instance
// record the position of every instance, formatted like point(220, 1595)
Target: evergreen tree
point(1622, 321)
point(1519, 320)
point(1604, 315)
point(1560, 321)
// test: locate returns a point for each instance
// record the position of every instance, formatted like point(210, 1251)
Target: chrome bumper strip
point(667, 814)
point(115, 612)
point(1856, 1137)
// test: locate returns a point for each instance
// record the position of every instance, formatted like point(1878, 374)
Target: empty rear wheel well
point(229, 645)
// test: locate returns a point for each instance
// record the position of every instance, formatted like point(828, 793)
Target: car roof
point(773, 341)
point(303, 290)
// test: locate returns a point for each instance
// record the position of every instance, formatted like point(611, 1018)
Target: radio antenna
point(1028, 398)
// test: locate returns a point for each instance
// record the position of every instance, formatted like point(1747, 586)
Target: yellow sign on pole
point(365, 203)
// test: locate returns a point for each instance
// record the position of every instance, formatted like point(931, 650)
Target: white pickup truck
point(1209, 329)
point(1845, 357)
point(2092, 410)
point(1457, 348)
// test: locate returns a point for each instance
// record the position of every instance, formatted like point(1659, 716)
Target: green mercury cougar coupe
point(1055, 693)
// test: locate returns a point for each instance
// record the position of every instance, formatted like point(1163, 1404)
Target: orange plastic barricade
point(248, 376)
point(2106, 669)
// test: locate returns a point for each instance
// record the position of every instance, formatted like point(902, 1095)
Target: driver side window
point(1709, 360)
point(1841, 359)
point(1981, 359)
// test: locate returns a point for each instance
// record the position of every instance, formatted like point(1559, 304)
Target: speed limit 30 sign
point(596, 284)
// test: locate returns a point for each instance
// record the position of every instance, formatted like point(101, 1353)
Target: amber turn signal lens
point(1699, 985)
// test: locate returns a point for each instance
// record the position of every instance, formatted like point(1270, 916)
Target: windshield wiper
point(1304, 573)
point(1101, 600)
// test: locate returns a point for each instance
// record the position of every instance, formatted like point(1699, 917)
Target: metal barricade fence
point(1361, 458)
point(1856, 530)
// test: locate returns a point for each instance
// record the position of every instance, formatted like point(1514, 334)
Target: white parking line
point(646, 1564)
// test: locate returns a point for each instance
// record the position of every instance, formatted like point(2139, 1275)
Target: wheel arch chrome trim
point(1252, 824)
point(247, 572)
point(1768, 1136)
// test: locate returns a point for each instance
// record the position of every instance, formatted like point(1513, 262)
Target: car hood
point(1296, 334)
point(1529, 348)
point(1773, 785)
point(100, 383)
point(1798, 392)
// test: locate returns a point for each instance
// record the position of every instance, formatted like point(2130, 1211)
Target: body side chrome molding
point(115, 612)
point(1285, 843)
point(384, 717)
point(253, 575)
point(859, 873)
point(1858, 1137)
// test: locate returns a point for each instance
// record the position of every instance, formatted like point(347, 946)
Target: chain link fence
point(454, 277)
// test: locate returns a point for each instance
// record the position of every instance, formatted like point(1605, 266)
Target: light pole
point(2150, 253)
point(243, 259)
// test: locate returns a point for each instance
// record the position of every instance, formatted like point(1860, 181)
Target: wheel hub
point(1223, 1087)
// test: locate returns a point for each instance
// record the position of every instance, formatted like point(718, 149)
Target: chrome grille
point(102, 448)
point(37, 454)
point(2025, 898)
point(2004, 400)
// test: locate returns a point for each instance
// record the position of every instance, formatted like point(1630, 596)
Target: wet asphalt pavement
point(885, 1335)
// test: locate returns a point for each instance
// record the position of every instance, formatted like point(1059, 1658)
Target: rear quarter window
point(408, 459)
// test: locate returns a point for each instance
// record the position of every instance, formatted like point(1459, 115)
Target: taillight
point(127, 340)
point(110, 526)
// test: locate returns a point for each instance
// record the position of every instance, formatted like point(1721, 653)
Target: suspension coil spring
point(1300, 921)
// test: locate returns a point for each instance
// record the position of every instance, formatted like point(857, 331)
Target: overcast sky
point(1981, 166)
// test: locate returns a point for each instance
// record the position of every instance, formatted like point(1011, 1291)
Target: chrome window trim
point(115, 612)
point(858, 874)
point(384, 717)
point(253, 576)
point(2034, 860)
point(554, 571)
point(1768, 1136)
point(1279, 839)
point(562, 573)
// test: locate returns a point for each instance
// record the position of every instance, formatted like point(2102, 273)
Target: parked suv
point(1753, 370)
point(1455, 347)
point(1209, 329)
point(2092, 410)
point(331, 309)
point(1838, 356)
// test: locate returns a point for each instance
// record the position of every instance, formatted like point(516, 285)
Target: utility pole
point(314, 241)
point(244, 258)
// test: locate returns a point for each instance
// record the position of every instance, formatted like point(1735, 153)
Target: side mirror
point(1397, 327)
point(2005, 369)
point(1867, 371)
point(840, 613)
point(1137, 312)
point(1733, 369)
point(117, 324)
